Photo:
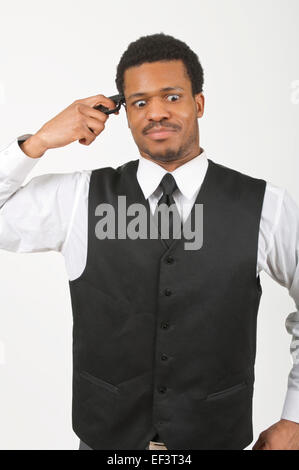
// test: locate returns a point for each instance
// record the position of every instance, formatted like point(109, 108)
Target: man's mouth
point(162, 133)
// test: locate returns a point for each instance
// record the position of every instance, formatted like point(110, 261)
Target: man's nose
point(157, 109)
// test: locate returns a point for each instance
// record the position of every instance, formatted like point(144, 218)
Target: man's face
point(164, 101)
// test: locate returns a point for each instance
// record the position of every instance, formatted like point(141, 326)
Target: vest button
point(167, 292)
point(164, 325)
point(162, 389)
point(169, 259)
point(164, 357)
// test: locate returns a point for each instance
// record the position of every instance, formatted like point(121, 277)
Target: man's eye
point(142, 101)
point(173, 95)
point(139, 101)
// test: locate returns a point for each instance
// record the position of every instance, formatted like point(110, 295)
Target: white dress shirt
point(50, 213)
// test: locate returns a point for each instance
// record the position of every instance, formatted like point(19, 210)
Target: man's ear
point(200, 104)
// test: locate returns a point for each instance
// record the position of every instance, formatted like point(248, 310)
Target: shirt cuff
point(291, 406)
point(14, 163)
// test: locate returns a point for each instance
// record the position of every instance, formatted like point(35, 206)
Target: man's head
point(162, 79)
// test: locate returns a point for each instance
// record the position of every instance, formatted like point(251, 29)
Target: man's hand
point(283, 435)
point(73, 123)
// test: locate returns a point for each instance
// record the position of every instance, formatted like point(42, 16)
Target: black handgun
point(118, 100)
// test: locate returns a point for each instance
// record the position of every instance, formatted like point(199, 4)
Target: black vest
point(164, 339)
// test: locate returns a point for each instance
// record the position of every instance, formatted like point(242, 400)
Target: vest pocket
point(97, 381)
point(94, 408)
point(227, 391)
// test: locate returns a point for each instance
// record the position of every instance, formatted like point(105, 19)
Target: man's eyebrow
point(169, 88)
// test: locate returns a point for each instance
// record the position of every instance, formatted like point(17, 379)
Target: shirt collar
point(188, 176)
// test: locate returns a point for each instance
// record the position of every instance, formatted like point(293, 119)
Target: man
point(164, 337)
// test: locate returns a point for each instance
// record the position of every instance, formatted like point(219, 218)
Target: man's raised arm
point(35, 217)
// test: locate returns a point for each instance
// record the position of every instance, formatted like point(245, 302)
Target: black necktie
point(168, 185)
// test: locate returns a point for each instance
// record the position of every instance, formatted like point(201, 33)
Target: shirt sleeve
point(282, 264)
point(34, 217)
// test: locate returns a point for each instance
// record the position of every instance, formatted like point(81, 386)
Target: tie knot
point(168, 184)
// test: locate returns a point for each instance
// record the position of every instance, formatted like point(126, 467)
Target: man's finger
point(94, 113)
point(259, 444)
point(98, 99)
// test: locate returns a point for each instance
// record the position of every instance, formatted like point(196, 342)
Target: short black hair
point(160, 47)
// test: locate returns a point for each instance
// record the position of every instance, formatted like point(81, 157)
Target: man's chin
point(165, 157)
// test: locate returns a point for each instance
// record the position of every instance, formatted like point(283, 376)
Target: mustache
point(159, 126)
